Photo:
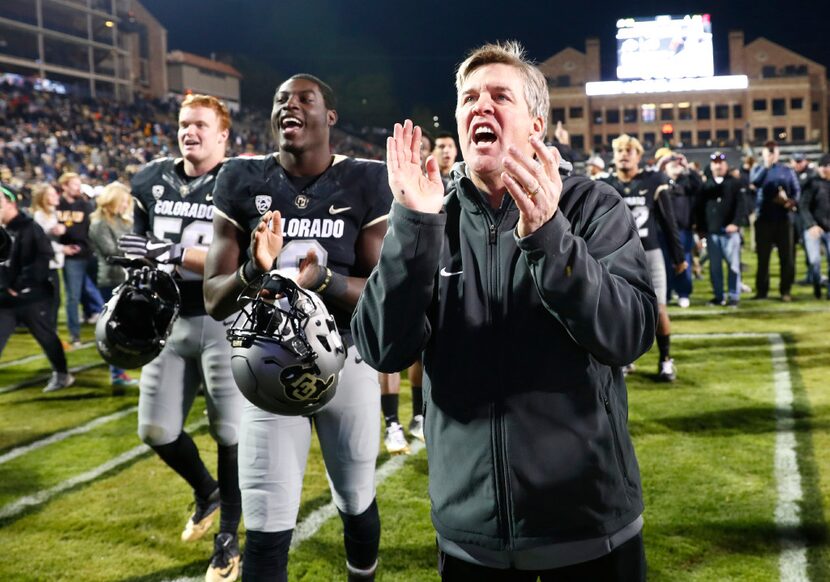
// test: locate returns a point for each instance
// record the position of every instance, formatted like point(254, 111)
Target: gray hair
point(511, 53)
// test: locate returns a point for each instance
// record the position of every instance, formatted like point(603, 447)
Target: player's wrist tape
point(249, 272)
point(333, 285)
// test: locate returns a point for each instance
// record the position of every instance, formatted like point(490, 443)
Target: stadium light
point(719, 83)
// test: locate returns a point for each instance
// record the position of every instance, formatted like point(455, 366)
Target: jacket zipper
point(500, 461)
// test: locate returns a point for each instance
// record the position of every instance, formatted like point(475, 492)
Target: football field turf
point(735, 461)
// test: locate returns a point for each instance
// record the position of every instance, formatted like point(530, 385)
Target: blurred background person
point(45, 200)
point(777, 199)
point(721, 214)
point(807, 177)
point(445, 152)
point(25, 290)
point(74, 211)
point(814, 209)
point(595, 168)
point(110, 221)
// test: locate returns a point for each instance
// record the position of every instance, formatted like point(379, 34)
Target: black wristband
point(249, 272)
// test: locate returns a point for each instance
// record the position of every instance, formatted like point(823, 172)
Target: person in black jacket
point(531, 468)
point(815, 217)
point(721, 213)
point(25, 290)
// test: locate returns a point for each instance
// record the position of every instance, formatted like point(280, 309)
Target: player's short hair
point(329, 99)
point(211, 102)
point(510, 53)
point(66, 177)
point(625, 141)
point(445, 135)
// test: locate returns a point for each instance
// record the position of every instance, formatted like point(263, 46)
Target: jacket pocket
point(615, 435)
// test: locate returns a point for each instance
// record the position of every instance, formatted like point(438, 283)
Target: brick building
point(784, 97)
point(189, 73)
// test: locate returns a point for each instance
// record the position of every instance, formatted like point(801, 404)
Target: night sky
point(415, 46)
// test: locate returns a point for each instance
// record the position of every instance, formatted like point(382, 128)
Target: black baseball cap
point(8, 193)
point(718, 156)
point(825, 160)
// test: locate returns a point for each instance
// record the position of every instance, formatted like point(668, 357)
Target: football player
point(173, 215)
point(319, 218)
point(643, 192)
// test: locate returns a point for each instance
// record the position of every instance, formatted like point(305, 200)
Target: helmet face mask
point(287, 354)
point(137, 320)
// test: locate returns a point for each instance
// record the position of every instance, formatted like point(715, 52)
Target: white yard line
point(792, 563)
point(45, 378)
point(36, 357)
point(14, 508)
point(308, 527)
point(65, 434)
point(692, 312)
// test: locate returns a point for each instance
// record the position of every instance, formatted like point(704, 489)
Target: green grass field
point(706, 445)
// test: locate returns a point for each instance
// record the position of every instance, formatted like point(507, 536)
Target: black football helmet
point(136, 321)
point(287, 353)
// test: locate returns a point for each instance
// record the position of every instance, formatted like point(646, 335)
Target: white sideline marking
point(679, 312)
point(41, 497)
point(36, 357)
point(39, 379)
point(315, 520)
point(792, 564)
point(59, 436)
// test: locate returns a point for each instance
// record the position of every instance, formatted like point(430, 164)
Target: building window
point(780, 133)
point(796, 103)
point(704, 112)
point(760, 134)
point(684, 111)
point(612, 115)
point(648, 112)
point(597, 140)
point(629, 116)
point(575, 112)
point(739, 136)
point(666, 113)
point(814, 107)
point(759, 104)
point(557, 114)
point(597, 115)
point(563, 81)
point(779, 107)
point(737, 111)
point(648, 140)
point(799, 133)
point(612, 137)
point(704, 136)
point(685, 138)
point(768, 71)
point(578, 142)
point(721, 111)
point(722, 136)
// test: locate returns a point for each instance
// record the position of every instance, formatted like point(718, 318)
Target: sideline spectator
point(722, 213)
point(777, 199)
point(111, 220)
point(73, 213)
point(815, 215)
point(25, 291)
point(45, 200)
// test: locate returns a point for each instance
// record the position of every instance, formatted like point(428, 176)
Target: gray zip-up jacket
point(523, 343)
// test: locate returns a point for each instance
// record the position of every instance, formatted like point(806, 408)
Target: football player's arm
point(595, 282)
point(222, 283)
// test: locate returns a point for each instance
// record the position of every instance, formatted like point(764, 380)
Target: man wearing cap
point(777, 200)
point(721, 214)
point(814, 211)
point(595, 168)
point(25, 290)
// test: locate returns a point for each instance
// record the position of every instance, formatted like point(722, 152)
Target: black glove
point(155, 249)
